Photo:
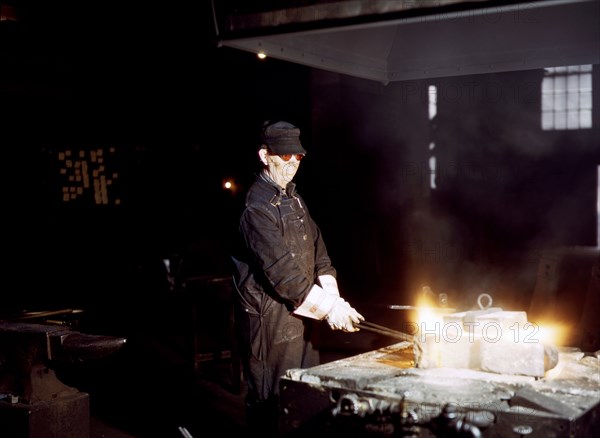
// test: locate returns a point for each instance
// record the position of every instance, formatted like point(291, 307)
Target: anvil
point(33, 401)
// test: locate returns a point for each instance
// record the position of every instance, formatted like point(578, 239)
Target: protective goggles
point(287, 157)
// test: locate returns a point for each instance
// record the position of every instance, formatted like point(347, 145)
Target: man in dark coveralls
point(284, 278)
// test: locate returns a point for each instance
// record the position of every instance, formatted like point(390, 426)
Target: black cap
point(282, 138)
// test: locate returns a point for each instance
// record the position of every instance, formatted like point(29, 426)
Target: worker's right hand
point(342, 316)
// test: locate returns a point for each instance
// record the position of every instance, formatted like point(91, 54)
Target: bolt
point(522, 430)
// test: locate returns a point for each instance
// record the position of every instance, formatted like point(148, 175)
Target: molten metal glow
point(427, 317)
point(551, 333)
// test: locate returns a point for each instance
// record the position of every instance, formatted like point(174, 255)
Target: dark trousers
point(262, 417)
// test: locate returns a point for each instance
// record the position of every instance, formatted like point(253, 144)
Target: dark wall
point(366, 141)
point(183, 115)
point(505, 189)
point(515, 189)
point(179, 115)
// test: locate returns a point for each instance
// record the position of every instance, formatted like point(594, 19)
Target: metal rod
point(369, 326)
point(33, 315)
point(185, 432)
point(437, 309)
point(381, 332)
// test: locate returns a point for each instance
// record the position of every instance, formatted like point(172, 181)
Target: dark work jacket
point(279, 258)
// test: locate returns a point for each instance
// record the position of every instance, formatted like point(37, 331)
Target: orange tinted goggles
point(288, 157)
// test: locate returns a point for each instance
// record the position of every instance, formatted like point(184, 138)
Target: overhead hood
point(387, 40)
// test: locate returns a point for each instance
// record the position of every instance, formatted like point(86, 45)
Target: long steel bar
point(376, 328)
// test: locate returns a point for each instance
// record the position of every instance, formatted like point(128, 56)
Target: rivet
point(522, 430)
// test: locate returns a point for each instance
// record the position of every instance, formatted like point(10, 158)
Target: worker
point(285, 281)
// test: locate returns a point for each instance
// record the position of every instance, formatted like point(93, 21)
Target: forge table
point(381, 393)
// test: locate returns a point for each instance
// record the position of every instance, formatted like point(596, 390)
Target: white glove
point(343, 316)
point(317, 304)
point(329, 284)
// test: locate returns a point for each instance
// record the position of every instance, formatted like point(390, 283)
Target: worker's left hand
point(343, 317)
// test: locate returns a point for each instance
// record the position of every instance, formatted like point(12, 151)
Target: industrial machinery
point(382, 393)
point(483, 372)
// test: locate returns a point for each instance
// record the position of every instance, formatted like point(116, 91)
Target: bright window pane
point(573, 101)
point(566, 97)
point(560, 120)
point(547, 102)
point(585, 100)
point(560, 101)
point(585, 119)
point(573, 119)
point(585, 82)
point(573, 83)
point(548, 85)
point(560, 83)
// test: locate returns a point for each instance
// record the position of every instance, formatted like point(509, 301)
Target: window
point(86, 175)
point(567, 97)
point(432, 110)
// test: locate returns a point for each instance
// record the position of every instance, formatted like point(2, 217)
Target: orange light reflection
point(428, 318)
point(551, 333)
